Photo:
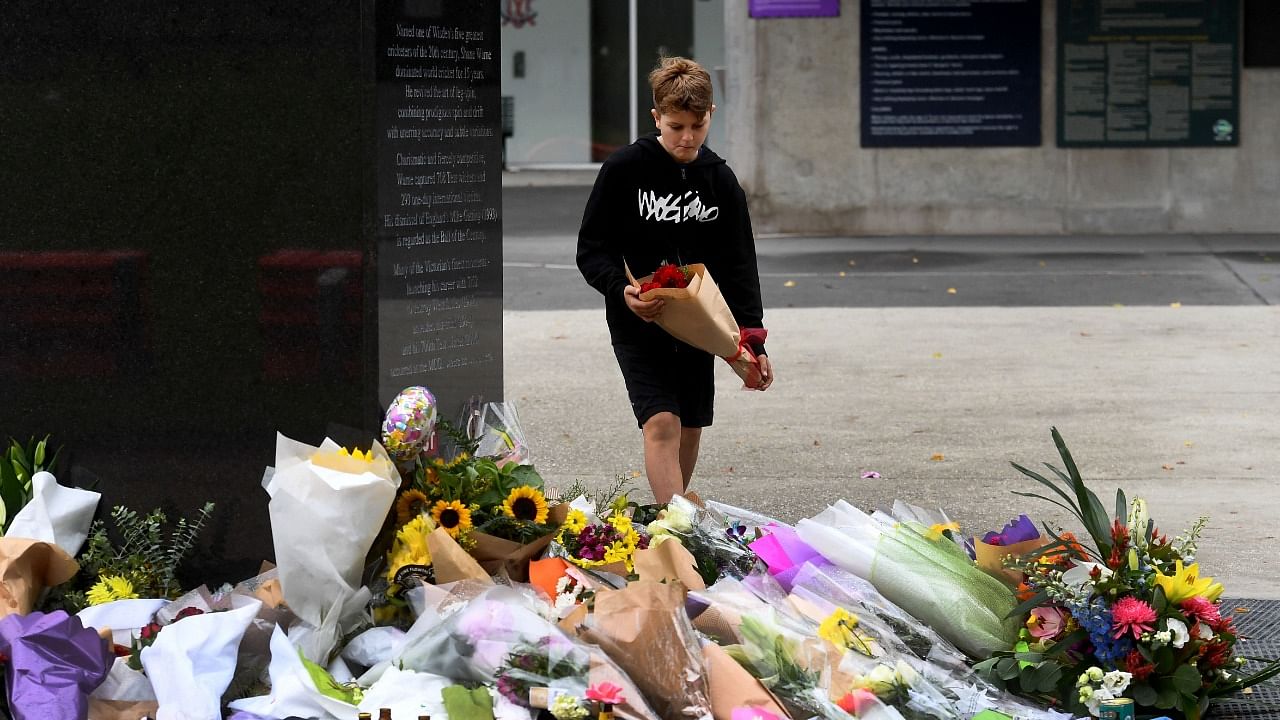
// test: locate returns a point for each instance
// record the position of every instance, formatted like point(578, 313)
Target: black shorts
point(668, 376)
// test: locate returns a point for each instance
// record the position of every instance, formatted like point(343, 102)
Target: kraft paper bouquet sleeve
point(27, 568)
point(730, 686)
point(698, 315)
point(643, 627)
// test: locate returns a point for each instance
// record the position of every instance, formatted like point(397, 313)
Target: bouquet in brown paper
point(730, 686)
point(27, 568)
point(644, 629)
point(696, 313)
point(498, 555)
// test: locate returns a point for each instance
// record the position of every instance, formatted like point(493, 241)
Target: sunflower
point(526, 503)
point(410, 504)
point(453, 516)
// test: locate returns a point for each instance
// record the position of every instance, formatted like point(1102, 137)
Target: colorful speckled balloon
point(410, 420)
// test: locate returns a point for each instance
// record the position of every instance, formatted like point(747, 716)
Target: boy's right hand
point(646, 310)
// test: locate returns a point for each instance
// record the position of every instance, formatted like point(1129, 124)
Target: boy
point(668, 198)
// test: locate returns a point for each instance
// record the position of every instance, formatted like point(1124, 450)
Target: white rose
point(907, 675)
point(678, 519)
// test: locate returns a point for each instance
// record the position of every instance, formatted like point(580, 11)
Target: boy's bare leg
point(690, 438)
point(663, 456)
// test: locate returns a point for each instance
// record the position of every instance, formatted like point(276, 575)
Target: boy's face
point(683, 132)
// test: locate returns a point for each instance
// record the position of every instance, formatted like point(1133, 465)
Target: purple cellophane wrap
point(1016, 531)
point(54, 663)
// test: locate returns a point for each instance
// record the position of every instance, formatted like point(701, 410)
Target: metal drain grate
point(1259, 624)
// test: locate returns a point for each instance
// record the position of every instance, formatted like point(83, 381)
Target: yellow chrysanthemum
point(574, 522)
point(453, 516)
point(410, 546)
point(526, 503)
point(110, 588)
point(1186, 583)
point(409, 505)
point(840, 628)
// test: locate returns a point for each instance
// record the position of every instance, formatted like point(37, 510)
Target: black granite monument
point(227, 219)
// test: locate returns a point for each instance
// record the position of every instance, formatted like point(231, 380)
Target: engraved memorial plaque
point(438, 225)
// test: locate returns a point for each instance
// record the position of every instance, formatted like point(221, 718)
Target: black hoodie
point(647, 208)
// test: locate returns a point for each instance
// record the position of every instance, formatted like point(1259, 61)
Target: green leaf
point(1122, 507)
point(1091, 510)
point(1007, 668)
point(1143, 694)
point(1033, 602)
point(1046, 677)
point(1052, 486)
point(1187, 680)
point(1166, 696)
point(1065, 643)
point(39, 454)
point(1038, 496)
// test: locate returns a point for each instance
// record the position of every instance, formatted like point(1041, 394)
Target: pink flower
point(870, 475)
point(857, 701)
point(752, 712)
point(1046, 622)
point(1131, 615)
point(1200, 610)
point(606, 693)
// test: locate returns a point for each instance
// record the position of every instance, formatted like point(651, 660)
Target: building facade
point(790, 124)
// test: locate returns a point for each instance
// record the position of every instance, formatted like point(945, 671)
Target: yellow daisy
point(526, 503)
point(110, 588)
point(453, 516)
point(409, 505)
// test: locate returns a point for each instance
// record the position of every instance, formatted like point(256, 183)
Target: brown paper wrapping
point(731, 686)
point(720, 624)
point(669, 561)
point(990, 558)
point(643, 628)
point(698, 314)
point(451, 562)
point(27, 567)
point(496, 554)
point(122, 709)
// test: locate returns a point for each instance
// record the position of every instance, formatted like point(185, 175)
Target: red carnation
point(1215, 654)
point(1138, 666)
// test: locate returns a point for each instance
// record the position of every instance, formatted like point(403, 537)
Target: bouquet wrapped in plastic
point(931, 578)
point(696, 313)
point(501, 639)
point(718, 546)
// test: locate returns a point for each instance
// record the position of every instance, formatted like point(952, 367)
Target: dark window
point(1261, 33)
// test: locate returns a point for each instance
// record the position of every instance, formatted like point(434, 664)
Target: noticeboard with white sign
point(938, 73)
point(1148, 73)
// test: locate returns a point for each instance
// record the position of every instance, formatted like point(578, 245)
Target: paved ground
point(1155, 357)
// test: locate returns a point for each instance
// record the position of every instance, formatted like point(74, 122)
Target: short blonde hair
point(680, 84)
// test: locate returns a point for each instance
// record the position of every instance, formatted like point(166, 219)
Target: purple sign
point(795, 8)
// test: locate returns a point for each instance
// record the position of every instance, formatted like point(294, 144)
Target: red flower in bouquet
point(1216, 653)
point(670, 276)
point(1131, 616)
point(1138, 666)
point(1201, 610)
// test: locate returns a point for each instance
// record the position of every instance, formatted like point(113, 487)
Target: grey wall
point(793, 94)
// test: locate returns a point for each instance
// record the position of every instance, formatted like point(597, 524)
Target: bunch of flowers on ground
point(591, 543)
point(1127, 615)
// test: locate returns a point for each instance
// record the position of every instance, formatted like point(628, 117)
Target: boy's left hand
point(766, 372)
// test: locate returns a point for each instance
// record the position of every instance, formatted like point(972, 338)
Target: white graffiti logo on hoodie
point(675, 208)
